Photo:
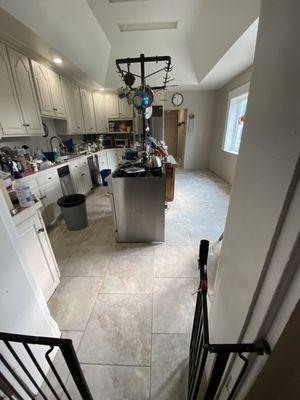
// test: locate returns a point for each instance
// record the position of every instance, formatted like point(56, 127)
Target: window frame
point(238, 92)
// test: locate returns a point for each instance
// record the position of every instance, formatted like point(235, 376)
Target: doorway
point(171, 131)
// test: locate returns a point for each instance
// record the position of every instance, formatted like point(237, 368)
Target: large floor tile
point(114, 383)
point(134, 249)
point(88, 260)
point(173, 304)
point(169, 366)
point(175, 261)
point(176, 234)
point(119, 331)
point(102, 232)
point(73, 301)
point(129, 275)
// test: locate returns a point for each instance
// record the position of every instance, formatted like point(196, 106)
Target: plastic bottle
point(22, 190)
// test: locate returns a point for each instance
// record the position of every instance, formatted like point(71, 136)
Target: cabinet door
point(11, 119)
point(88, 111)
point(111, 105)
point(37, 250)
point(26, 92)
point(86, 181)
point(72, 102)
point(112, 160)
point(100, 114)
point(76, 176)
point(50, 193)
point(57, 97)
point(102, 159)
point(125, 109)
point(40, 74)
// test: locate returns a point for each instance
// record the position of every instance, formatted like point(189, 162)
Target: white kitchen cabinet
point(88, 111)
point(111, 105)
point(49, 91)
point(86, 181)
point(57, 96)
point(81, 176)
point(100, 114)
point(125, 110)
point(112, 160)
point(117, 108)
point(102, 160)
point(72, 101)
point(38, 252)
point(11, 119)
point(26, 92)
point(49, 194)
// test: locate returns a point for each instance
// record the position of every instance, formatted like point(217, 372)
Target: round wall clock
point(177, 99)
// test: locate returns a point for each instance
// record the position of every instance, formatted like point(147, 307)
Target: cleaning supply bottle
point(22, 189)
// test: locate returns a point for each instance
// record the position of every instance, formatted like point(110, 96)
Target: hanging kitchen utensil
point(148, 112)
point(150, 94)
point(129, 79)
point(140, 99)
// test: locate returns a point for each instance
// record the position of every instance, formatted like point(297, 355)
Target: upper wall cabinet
point(88, 111)
point(117, 108)
point(26, 93)
point(72, 100)
point(48, 85)
point(11, 119)
point(100, 115)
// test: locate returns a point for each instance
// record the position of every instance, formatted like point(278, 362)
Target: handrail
point(200, 344)
point(68, 352)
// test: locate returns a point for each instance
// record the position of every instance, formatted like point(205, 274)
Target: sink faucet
point(61, 144)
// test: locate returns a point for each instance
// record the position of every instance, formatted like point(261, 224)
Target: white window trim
point(240, 91)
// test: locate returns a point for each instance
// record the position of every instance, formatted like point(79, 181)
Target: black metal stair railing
point(200, 345)
point(14, 386)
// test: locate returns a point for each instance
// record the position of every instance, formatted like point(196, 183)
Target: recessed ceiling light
point(57, 60)
point(102, 88)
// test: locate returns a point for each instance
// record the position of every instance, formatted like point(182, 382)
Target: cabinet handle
point(26, 125)
point(41, 230)
point(78, 127)
point(55, 109)
point(82, 174)
point(43, 197)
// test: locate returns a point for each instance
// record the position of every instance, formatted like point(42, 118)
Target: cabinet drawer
point(47, 177)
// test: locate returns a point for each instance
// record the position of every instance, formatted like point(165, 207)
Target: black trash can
point(104, 174)
point(73, 209)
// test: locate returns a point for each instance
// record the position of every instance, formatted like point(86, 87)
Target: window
point(236, 110)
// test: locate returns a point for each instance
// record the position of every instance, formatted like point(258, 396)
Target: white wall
point(268, 156)
point(23, 308)
point(220, 161)
point(201, 103)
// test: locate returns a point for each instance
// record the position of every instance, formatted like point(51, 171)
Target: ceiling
point(109, 15)
point(86, 34)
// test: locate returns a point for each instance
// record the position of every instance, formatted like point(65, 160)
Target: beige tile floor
point(128, 307)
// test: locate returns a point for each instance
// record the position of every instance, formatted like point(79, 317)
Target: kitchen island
point(138, 206)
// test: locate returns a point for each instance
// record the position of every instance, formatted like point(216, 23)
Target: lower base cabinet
point(38, 252)
point(49, 194)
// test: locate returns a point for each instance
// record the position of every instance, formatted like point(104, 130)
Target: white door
point(11, 119)
point(100, 114)
point(57, 96)
point(72, 101)
point(111, 105)
point(50, 193)
point(40, 74)
point(88, 111)
point(125, 109)
point(26, 92)
point(39, 255)
point(171, 131)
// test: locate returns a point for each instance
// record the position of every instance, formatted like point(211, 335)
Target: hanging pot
point(150, 94)
point(129, 79)
point(140, 99)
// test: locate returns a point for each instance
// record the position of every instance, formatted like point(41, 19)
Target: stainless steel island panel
point(138, 208)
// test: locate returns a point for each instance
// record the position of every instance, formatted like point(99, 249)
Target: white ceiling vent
point(147, 26)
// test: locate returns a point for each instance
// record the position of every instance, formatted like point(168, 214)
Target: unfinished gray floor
point(129, 306)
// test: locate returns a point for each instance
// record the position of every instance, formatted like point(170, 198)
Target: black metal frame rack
point(8, 380)
point(200, 345)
